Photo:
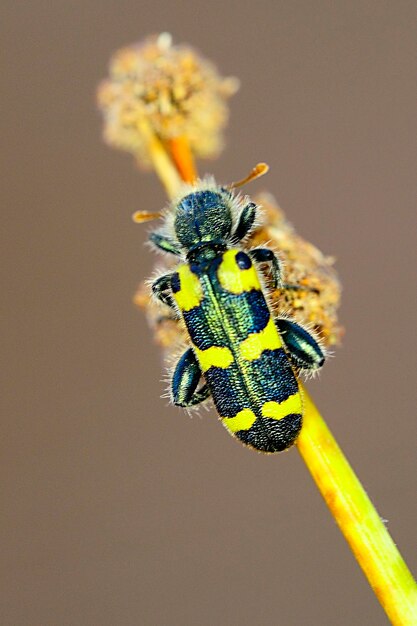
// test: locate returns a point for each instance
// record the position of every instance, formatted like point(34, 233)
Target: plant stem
point(162, 162)
point(357, 518)
point(347, 500)
point(180, 151)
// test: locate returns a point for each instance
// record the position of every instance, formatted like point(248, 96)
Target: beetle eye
point(243, 261)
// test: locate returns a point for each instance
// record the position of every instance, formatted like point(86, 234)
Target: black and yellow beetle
point(248, 359)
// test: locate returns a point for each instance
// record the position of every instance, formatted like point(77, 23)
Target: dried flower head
point(173, 88)
point(312, 298)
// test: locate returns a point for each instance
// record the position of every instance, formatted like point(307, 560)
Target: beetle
point(240, 354)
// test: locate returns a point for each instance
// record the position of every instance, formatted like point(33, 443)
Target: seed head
point(313, 295)
point(178, 92)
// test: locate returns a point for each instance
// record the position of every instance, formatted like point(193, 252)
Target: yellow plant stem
point(161, 161)
point(347, 500)
point(357, 518)
point(180, 151)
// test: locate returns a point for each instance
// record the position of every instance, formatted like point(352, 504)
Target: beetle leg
point(265, 255)
point(165, 243)
point(303, 348)
point(161, 288)
point(185, 380)
point(246, 220)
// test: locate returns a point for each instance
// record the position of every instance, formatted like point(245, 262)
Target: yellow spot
point(252, 347)
point(213, 357)
point(279, 410)
point(242, 421)
point(233, 278)
point(190, 294)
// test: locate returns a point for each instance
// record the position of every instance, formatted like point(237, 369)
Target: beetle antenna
point(139, 217)
point(259, 170)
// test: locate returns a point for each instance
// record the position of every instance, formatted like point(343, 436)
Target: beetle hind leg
point(303, 348)
point(186, 377)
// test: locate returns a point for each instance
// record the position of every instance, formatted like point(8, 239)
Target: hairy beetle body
point(239, 350)
point(248, 360)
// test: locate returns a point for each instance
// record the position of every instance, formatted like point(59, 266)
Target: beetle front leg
point(265, 255)
point(161, 288)
point(185, 380)
point(246, 221)
point(165, 243)
point(304, 350)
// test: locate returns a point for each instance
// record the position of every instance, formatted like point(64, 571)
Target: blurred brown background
point(117, 509)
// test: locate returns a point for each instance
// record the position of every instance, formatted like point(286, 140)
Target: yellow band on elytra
point(252, 347)
point(214, 356)
point(279, 410)
point(242, 421)
point(190, 294)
